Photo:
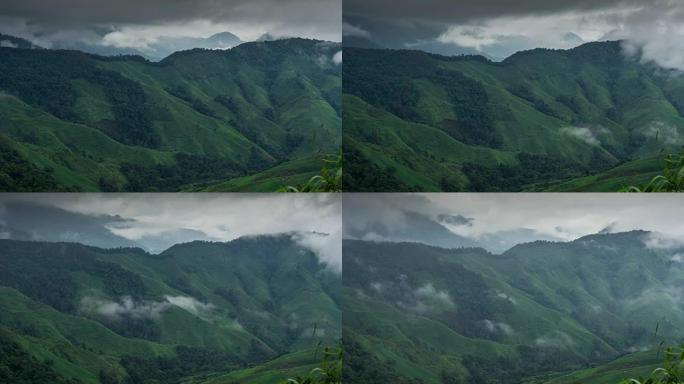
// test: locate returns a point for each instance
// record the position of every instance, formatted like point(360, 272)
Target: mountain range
point(593, 310)
point(159, 49)
point(255, 117)
point(585, 119)
point(257, 310)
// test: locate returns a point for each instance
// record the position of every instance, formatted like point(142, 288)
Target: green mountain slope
point(535, 312)
point(427, 122)
point(197, 117)
point(194, 313)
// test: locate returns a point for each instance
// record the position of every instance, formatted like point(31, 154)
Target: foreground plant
point(672, 179)
point(671, 373)
point(329, 179)
point(329, 372)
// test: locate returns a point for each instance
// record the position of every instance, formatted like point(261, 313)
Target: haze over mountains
point(421, 305)
point(228, 289)
point(467, 316)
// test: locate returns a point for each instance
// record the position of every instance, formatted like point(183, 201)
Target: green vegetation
point(543, 312)
point(671, 373)
point(540, 120)
point(329, 372)
point(198, 119)
point(672, 179)
point(328, 180)
point(253, 310)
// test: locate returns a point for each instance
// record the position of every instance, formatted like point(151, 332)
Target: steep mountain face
point(196, 311)
point(74, 121)
point(425, 122)
point(434, 315)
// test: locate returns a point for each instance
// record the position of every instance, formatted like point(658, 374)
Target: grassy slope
point(274, 371)
point(635, 365)
point(636, 172)
point(390, 142)
point(78, 154)
point(293, 172)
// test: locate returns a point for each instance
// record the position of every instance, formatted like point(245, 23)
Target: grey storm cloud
point(450, 11)
point(650, 30)
point(159, 220)
point(159, 11)
point(90, 20)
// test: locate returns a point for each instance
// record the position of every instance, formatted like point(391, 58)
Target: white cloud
point(429, 299)
point(328, 247)
point(160, 220)
point(678, 258)
point(655, 33)
point(668, 295)
point(190, 304)
point(565, 216)
point(497, 327)
point(505, 35)
point(7, 44)
point(377, 286)
point(337, 58)
point(581, 133)
point(504, 296)
point(663, 241)
point(353, 30)
point(126, 306)
point(664, 133)
point(555, 339)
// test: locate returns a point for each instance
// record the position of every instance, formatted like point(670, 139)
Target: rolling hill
point(258, 309)
point(540, 119)
point(541, 312)
point(199, 118)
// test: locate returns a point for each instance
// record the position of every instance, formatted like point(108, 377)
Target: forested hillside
point(198, 119)
point(593, 310)
point(590, 118)
point(253, 310)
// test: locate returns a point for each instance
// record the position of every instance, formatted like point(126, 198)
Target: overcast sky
point(133, 22)
point(556, 215)
point(164, 219)
point(502, 27)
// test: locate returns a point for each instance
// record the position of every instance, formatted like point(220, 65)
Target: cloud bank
point(127, 307)
point(158, 221)
point(511, 218)
point(652, 31)
point(128, 23)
